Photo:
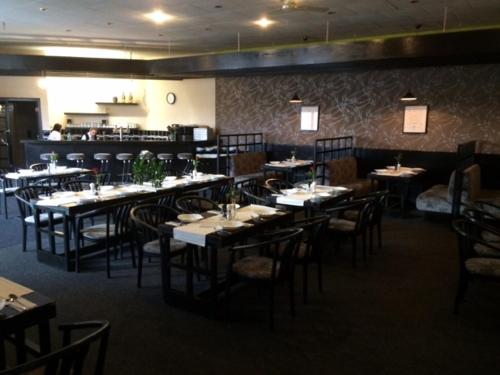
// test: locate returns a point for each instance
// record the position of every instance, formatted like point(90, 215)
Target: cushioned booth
point(439, 198)
point(249, 165)
point(344, 172)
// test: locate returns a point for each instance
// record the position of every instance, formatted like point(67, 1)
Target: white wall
point(195, 99)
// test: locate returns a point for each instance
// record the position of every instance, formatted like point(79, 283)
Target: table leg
point(213, 278)
point(19, 339)
point(404, 197)
point(66, 236)
point(165, 266)
point(51, 233)
point(189, 271)
point(44, 336)
point(2, 353)
point(38, 236)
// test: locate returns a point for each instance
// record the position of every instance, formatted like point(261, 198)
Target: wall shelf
point(113, 103)
point(86, 114)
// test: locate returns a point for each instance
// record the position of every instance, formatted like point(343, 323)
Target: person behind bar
point(90, 135)
point(55, 134)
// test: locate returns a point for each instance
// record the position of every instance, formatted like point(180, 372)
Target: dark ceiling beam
point(470, 47)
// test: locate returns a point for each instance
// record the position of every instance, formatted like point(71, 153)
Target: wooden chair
point(277, 185)
point(195, 204)
point(146, 218)
point(339, 225)
point(271, 265)
point(479, 257)
point(24, 197)
point(7, 189)
point(75, 185)
point(311, 247)
point(256, 194)
point(72, 357)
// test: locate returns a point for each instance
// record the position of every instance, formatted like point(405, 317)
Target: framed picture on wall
point(309, 118)
point(415, 119)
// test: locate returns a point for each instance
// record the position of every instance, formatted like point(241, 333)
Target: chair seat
point(489, 267)
point(351, 215)
point(98, 232)
point(124, 156)
point(342, 225)
point(487, 251)
point(153, 247)
point(490, 237)
point(44, 218)
point(255, 267)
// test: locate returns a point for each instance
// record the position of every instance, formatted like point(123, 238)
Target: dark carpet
point(392, 315)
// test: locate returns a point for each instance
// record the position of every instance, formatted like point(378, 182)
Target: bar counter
point(33, 149)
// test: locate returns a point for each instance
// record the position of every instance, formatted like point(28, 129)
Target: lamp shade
point(408, 97)
point(295, 99)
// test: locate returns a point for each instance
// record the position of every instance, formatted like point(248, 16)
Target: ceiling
point(206, 26)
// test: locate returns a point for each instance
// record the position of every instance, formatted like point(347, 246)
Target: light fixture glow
point(408, 97)
point(158, 16)
point(264, 22)
point(295, 99)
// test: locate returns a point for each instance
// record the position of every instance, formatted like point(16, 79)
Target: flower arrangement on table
point(196, 164)
point(312, 177)
point(54, 157)
point(99, 179)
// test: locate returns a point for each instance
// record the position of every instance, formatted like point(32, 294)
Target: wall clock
point(171, 98)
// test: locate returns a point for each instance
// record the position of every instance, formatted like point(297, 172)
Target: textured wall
point(464, 104)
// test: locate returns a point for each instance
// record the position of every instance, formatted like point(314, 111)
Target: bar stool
point(187, 156)
point(168, 159)
point(104, 158)
point(77, 157)
point(45, 156)
point(126, 160)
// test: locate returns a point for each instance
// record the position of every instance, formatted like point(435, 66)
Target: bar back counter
point(34, 148)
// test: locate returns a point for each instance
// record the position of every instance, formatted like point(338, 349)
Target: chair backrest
point(72, 357)
point(278, 185)
point(314, 230)
point(25, 195)
point(280, 245)
point(147, 217)
point(75, 185)
point(5, 182)
point(248, 163)
point(256, 194)
point(195, 204)
point(364, 206)
point(343, 171)
point(38, 166)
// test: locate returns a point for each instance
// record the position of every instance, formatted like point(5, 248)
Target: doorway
point(19, 119)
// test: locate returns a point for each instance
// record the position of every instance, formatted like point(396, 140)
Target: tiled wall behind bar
point(464, 104)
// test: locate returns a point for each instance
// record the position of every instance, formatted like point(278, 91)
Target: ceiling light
point(264, 22)
point(295, 99)
point(43, 9)
point(408, 97)
point(158, 16)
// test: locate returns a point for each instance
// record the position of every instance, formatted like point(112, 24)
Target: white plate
point(25, 170)
point(289, 191)
point(236, 206)
point(274, 162)
point(189, 218)
point(391, 167)
point(380, 170)
point(231, 224)
point(107, 187)
point(170, 178)
point(339, 188)
point(324, 194)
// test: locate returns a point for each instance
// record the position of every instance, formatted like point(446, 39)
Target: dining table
point(70, 204)
point(214, 233)
point(20, 309)
point(289, 168)
point(25, 177)
point(311, 199)
point(399, 177)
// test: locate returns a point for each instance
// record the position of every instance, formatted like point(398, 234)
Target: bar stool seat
point(185, 156)
point(124, 156)
point(75, 156)
point(102, 156)
point(46, 156)
point(165, 156)
point(104, 159)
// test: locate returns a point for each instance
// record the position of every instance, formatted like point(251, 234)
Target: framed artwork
point(415, 119)
point(309, 118)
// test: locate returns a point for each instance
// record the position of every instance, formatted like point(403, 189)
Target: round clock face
point(171, 98)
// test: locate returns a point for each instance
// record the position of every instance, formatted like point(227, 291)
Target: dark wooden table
point(289, 169)
point(207, 300)
point(27, 179)
point(403, 181)
point(13, 324)
point(66, 259)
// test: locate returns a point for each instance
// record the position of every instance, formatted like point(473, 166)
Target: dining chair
point(38, 167)
point(256, 194)
point(269, 264)
point(340, 226)
point(7, 189)
point(113, 230)
point(25, 197)
point(311, 247)
point(73, 357)
point(474, 264)
point(145, 219)
point(195, 204)
point(75, 185)
point(276, 185)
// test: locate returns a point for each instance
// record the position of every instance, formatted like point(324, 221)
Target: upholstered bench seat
point(255, 267)
point(342, 225)
point(434, 200)
point(344, 172)
point(487, 251)
point(98, 232)
point(483, 266)
point(490, 237)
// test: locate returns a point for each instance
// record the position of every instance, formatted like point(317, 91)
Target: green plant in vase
point(312, 177)
point(196, 164)
point(398, 158)
point(157, 172)
point(139, 171)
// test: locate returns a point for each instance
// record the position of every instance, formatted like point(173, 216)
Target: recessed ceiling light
point(160, 34)
point(218, 6)
point(264, 22)
point(109, 23)
point(68, 30)
point(414, 1)
point(158, 16)
point(42, 9)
